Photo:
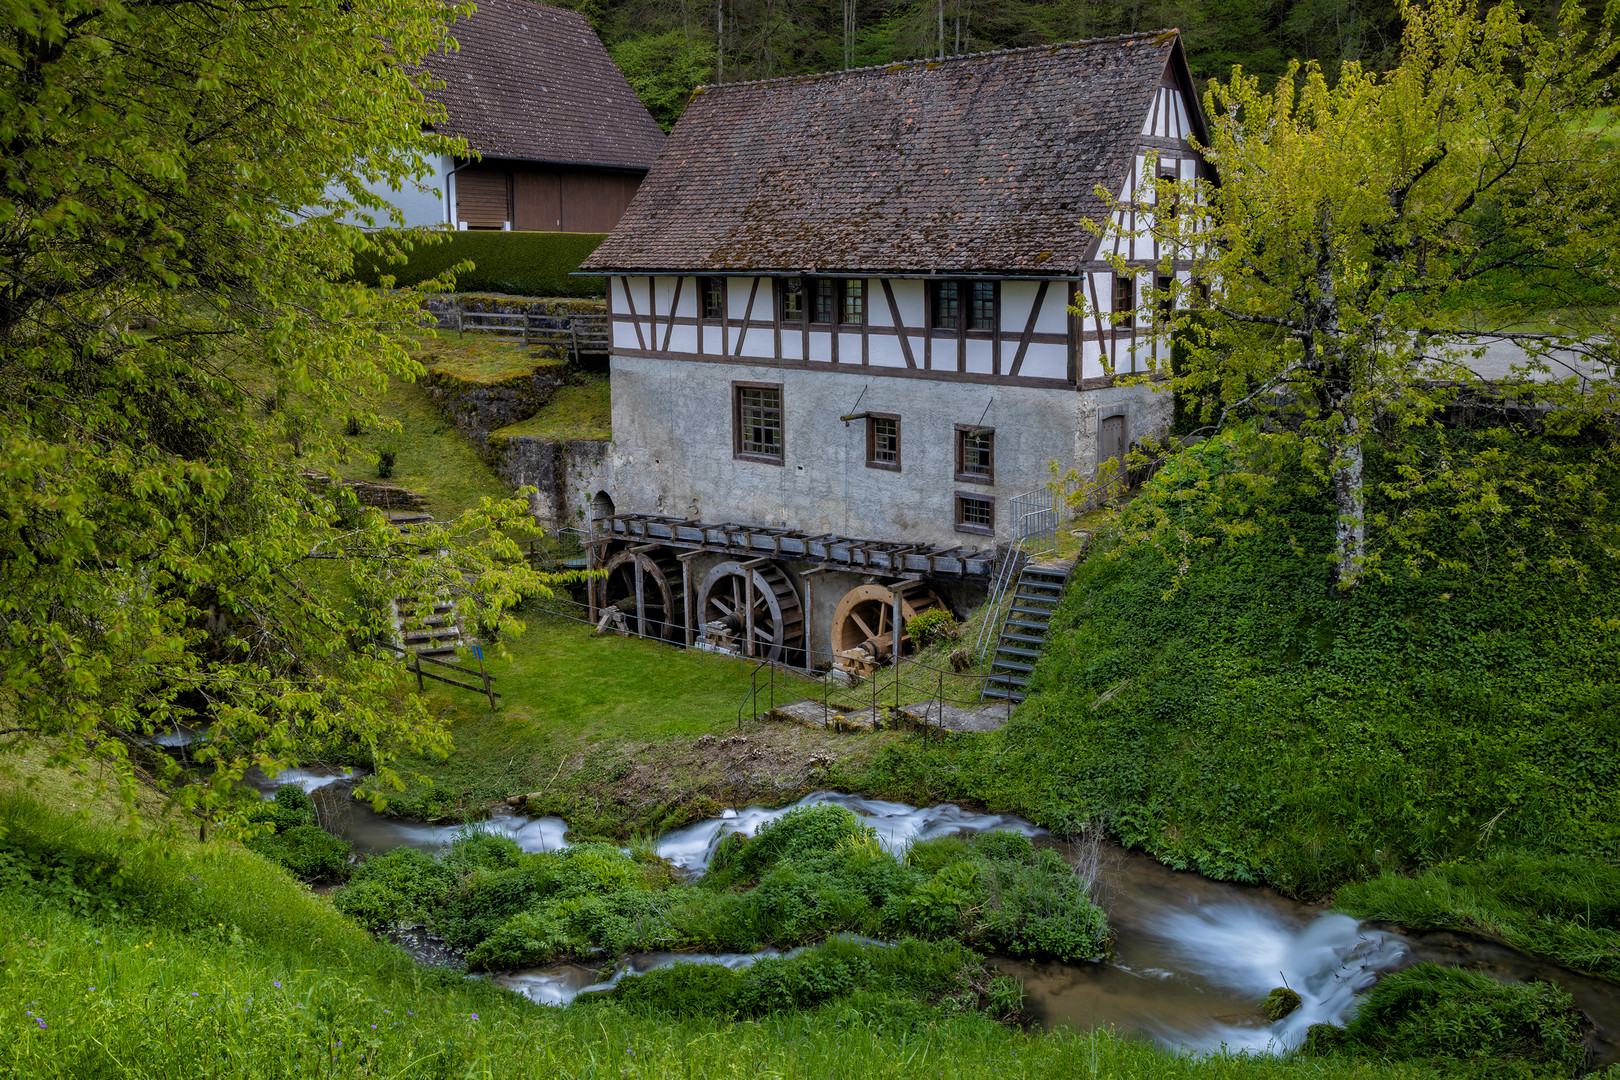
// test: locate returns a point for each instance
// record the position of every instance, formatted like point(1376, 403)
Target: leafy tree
point(664, 69)
point(176, 339)
point(1367, 237)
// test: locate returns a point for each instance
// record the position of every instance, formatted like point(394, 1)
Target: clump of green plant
point(309, 852)
point(935, 972)
point(1448, 1016)
point(1279, 1003)
point(811, 874)
point(385, 463)
point(932, 626)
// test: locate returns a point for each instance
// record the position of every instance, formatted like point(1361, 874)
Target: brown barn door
point(1111, 445)
point(483, 198)
point(536, 200)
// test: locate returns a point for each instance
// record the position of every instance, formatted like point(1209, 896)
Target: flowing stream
point(1192, 957)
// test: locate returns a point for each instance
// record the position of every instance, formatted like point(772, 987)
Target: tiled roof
point(978, 163)
point(534, 82)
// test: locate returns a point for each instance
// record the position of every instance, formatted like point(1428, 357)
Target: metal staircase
point(1023, 635)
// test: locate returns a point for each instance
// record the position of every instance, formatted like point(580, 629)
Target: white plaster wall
point(672, 451)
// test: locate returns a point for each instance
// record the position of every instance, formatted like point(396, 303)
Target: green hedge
point(520, 263)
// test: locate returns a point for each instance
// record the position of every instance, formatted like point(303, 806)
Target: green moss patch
point(581, 410)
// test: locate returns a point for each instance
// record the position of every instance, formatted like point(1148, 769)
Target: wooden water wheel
point(644, 586)
point(755, 612)
point(863, 625)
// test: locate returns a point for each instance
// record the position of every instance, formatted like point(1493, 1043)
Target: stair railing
point(1012, 563)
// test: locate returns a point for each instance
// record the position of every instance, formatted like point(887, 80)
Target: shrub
point(524, 940)
point(934, 625)
point(805, 831)
point(399, 886)
point(309, 852)
point(1040, 908)
point(1435, 1013)
point(682, 990)
point(520, 263)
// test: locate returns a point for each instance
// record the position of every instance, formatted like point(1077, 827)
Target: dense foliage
point(177, 335)
point(1471, 1023)
point(295, 840)
point(118, 961)
point(1221, 710)
point(520, 263)
point(812, 873)
point(1372, 236)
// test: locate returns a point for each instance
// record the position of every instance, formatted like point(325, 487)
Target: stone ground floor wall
point(566, 476)
point(673, 450)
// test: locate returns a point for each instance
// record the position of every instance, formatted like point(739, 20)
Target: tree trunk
point(1350, 501)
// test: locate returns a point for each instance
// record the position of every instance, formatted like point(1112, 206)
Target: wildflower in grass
point(278, 985)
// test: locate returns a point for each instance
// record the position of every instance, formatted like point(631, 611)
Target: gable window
point(757, 422)
point(975, 513)
point(982, 305)
point(823, 299)
point(1124, 301)
point(975, 455)
point(883, 441)
point(713, 291)
point(947, 306)
point(790, 291)
point(853, 310)
point(1170, 196)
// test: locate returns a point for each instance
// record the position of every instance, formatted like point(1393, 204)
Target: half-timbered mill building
point(849, 305)
point(563, 142)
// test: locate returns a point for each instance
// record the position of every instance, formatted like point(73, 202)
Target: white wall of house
point(425, 201)
point(673, 450)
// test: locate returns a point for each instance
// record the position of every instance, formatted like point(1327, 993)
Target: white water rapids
point(1192, 957)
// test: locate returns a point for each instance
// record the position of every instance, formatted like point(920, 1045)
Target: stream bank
point(1191, 958)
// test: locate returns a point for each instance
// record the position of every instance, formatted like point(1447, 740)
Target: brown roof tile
point(978, 163)
point(533, 82)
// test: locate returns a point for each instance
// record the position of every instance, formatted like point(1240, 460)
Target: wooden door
point(536, 200)
point(483, 198)
point(1111, 444)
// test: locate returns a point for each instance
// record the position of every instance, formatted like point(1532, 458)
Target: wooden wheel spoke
point(867, 630)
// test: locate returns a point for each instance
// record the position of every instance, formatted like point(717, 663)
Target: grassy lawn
point(580, 410)
point(474, 358)
point(623, 735)
point(432, 458)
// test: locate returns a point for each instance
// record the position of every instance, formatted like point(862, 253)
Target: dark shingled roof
point(976, 163)
point(533, 82)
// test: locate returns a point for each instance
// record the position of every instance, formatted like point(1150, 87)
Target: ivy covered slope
point(121, 959)
point(1213, 704)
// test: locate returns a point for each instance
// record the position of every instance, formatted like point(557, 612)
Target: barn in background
point(563, 141)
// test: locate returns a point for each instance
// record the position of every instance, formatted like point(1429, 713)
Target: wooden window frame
point(703, 283)
point(843, 301)
point(962, 475)
point(812, 286)
point(964, 309)
point(782, 293)
point(1164, 307)
point(964, 526)
point(737, 451)
point(871, 442)
point(1124, 299)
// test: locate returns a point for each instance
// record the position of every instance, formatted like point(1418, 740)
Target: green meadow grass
point(206, 961)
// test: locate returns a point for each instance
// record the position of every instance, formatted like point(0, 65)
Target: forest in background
point(667, 47)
